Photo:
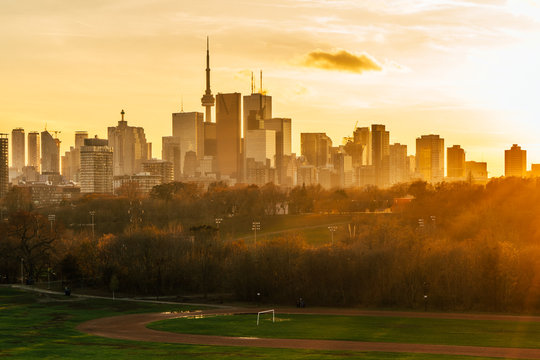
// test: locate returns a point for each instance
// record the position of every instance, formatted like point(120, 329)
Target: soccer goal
point(265, 312)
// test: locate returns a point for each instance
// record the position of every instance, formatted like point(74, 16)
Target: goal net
point(266, 312)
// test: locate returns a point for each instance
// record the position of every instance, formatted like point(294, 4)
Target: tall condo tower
point(17, 148)
point(208, 99)
point(4, 169)
point(34, 154)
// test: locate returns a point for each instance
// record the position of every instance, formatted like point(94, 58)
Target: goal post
point(265, 312)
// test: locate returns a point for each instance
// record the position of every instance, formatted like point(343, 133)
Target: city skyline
point(422, 67)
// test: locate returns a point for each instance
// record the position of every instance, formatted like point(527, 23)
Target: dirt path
point(133, 327)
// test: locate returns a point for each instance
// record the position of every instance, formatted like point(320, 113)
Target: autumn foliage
point(465, 247)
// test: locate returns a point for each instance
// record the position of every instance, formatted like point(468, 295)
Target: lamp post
point(22, 271)
point(92, 213)
point(218, 221)
point(256, 225)
point(51, 218)
point(332, 229)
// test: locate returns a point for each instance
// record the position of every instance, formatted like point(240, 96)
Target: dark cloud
point(341, 61)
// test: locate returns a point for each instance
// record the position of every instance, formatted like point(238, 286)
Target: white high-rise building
point(96, 166)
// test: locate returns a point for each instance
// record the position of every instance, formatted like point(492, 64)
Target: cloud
point(341, 61)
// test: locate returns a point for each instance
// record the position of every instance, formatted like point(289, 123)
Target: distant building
point(191, 164)
point(96, 166)
point(4, 167)
point(476, 172)
point(455, 163)
point(145, 181)
point(210, 138)
point(44, 194)
point(515, 161)
point(430, 158)
point(307, 175)
point(283, 128)
point(170, 151)
point(380, 154)
point(17, 149)
point(535, 170)
point(399, 169)
point(159, 167)
point(129, 146)
point(50, 154)
point(188, 127)
point(257, 108)
point(315, 147)
point(71, 161)
point(34, 157)
point(260, 145)
point(228, 134)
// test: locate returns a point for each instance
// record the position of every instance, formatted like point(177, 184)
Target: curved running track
point(133, 327)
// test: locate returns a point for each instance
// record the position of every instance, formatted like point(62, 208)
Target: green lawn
point(365, 328)
point(43, 327)
point(312, 227)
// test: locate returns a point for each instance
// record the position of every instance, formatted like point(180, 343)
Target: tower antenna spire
point(261, 89)
point(252, 88)
point(207, 99)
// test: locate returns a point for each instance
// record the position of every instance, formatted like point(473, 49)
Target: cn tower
point(208, 99)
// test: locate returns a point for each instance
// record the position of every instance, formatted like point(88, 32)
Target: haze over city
point(466, 70)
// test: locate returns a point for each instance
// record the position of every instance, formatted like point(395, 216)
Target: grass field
point(364, 328)
point(36, 326)
point(312, 227)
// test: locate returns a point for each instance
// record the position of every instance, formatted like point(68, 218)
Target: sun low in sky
point(467, 70)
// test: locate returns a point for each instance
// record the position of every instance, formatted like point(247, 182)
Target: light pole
point(51, 218)
point(332, 229)
point(256, 225)
point(218, 221)
point(92, 213)
point(22, 271)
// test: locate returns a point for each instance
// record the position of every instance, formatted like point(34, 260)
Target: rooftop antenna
point(182, 104)
point(261, 89)
point(252, 86)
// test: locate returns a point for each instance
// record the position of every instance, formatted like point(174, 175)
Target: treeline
point(183, 205)
point(465, 247)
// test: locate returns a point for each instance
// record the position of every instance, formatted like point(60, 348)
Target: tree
point(33, 240)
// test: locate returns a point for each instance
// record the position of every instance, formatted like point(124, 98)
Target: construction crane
point(346, 139)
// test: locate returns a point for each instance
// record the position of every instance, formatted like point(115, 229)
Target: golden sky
point(465, 69)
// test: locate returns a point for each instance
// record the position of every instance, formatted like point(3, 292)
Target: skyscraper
point(188, 127)
point(316, 148)
point(208, 99)
point(430, 158)
point(17, 149)
point(515, 161)
point(380, 154)
point(96, 166)
point(399, 170)
point(283, 128)
point(50, 154)
point(455, 163)
point(260, 145)
point(170, 151)
point(130, 148)
point(4, 167)
point(228, 130)
point(71, 161)
point(257, 108)
point(34, 158)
